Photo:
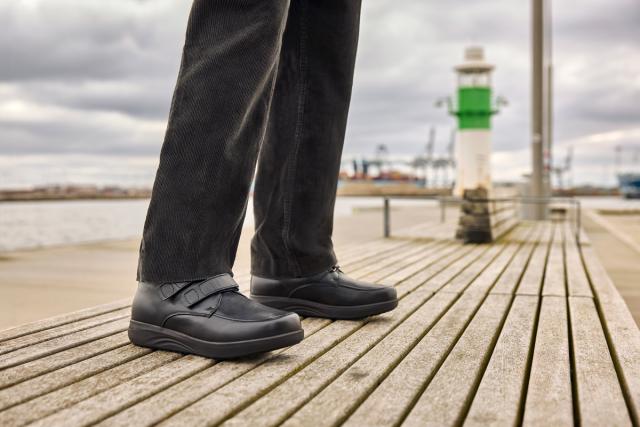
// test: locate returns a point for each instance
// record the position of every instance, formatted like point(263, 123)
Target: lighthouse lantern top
point(474, 71)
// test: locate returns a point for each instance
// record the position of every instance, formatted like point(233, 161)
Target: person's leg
point(300, 157)
point(218, 118)
point(293, 263)
point(187, 300)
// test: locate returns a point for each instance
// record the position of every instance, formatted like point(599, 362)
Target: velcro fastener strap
point(170, 289)
point(198, 291)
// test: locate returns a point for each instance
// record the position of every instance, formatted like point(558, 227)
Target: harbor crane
point(560, 171)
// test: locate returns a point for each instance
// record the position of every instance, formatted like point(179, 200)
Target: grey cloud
point(107, 69)
point(78, 40)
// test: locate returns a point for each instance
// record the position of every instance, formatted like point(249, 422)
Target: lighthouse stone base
point(474, 225)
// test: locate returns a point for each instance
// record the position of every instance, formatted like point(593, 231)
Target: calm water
point(35, 224)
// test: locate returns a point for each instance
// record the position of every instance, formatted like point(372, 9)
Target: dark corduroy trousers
point(266, 81)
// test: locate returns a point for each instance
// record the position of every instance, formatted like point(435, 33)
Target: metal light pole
point(541, 108)
point(548, 100)
point(538, 110)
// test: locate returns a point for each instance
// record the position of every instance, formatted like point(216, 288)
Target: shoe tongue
point(237, 306)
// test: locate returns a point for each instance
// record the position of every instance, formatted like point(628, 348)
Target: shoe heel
point(142, 334)
point(150, 336)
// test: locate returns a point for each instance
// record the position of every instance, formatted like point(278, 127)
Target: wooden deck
point(529, 330)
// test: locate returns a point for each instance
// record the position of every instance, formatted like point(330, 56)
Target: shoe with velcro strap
point(209, 318)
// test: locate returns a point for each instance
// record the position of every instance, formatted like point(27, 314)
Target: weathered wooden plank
point(440, 272)
point(504, 227)
point(50, 404)
point(364, 251)
point(25, 371)
point(270, 373)
point(624, 341)
point(400, 266)
point(64, 342)
point(599, 396)
point(370, 254)
point(577, 281)
point(69, 374)
point(436, 261)
point(499, 396)
point(168, 401)
point(286, 398)
point(444, 400)
point(488, 277)
point(521, 234)
point(554, 280)
point(354, 248)
point(47, 334)
point(531, 282)
point(63, 319)
point(602, 284)
point(100, 406)
point(414, 265)
point(549, 395)
point(584, 238)
point(386, 405)
point(430, 231)
point(473, 269)
point(390, 260)
point(621, 330)
point(510, 278)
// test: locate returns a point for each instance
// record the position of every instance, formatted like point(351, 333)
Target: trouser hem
point(280, 268)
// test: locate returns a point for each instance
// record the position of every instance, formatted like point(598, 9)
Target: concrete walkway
point(617, 244)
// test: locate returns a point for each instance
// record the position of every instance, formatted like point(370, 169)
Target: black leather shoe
point(209, 318)
point(329, 294)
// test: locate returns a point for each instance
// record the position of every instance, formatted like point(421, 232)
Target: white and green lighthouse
point(473, 108)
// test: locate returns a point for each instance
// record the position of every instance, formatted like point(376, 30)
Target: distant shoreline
point(350, 188)
point(70, 198)
point(73, 192)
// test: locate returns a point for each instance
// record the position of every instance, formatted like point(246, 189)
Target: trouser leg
point(300, 157)
point(217, 120)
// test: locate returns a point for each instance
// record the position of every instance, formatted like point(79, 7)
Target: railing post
point(387, 220)
point(442, 210)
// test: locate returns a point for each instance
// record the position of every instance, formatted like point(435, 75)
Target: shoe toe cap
point(285, 324)
point(388, 293)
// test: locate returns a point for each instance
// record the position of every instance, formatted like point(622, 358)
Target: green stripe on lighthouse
point(474, 108)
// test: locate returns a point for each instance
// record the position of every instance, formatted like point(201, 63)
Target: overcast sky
point(85, 85)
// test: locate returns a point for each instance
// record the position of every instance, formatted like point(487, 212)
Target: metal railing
point(387, 209)
point(448, 200)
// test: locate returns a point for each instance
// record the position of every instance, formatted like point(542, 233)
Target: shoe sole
point(152, 336)
point(314, 309)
